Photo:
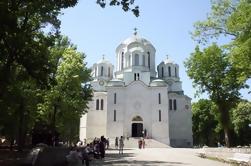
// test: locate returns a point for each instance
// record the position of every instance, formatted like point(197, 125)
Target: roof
point(136, 38)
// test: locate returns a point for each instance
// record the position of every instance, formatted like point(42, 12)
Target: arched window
point(129, 63)
point(95, 71)
point(122, 60)
point(97, 104)
point(115, 98)
point(148, 53)
point(169, 71)
point(102, 70)
point(174, 104)
point(175, 72)
point(138, 75)
point(135, 76)
point(159, 98)
point(170, 104)
point(162, 71)
point(114, 116)
point(136, 59)
point(144, 59)
point(159, 115)
point(102, 104)
point(109, 71)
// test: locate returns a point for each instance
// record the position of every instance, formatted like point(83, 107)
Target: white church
point(135, 100)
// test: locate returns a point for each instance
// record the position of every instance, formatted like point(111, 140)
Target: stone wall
point(223, 153)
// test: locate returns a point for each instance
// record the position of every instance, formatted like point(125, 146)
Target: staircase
point(149, 143)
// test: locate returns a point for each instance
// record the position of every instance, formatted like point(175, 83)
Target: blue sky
point(165, 23)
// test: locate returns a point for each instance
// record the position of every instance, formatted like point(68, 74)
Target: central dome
point(135, 53)
point(137, 39)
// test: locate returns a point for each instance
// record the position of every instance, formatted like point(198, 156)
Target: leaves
point(204, 122)
point(125, 4)
point(230, 19)
point(213, 72)
point(242, 116)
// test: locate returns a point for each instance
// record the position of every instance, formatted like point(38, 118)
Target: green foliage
point(240, 23)
point(204, 123)
point(216, 23)
point(24, 60)
point(212, 72)
point(125, 4)
point(242, 118)
point(42, 76)
point(66, 98)
point(230, 19)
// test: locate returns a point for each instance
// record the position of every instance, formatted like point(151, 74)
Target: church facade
point(135, 100)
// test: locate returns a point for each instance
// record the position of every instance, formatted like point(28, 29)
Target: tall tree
point(213, 73)
point(68, 92)
point(231, 19)
point(25, 62)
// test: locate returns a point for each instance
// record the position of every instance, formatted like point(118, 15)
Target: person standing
point(121, 145)
point(102, 149)
point(107, 143)
point(143, 143)
point(116, 142)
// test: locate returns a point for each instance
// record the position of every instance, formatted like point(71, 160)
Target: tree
point(26, 67)
point(213, 73)
point(24, 50)
point(241, 119)
point(231, 19)
point(67, 97)
point(22, 39)
point(204, 122)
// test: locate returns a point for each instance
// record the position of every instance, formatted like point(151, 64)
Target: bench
point(241, 158)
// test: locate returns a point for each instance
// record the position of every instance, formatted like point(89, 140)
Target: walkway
point(155, 157)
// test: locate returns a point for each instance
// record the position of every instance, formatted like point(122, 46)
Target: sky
point(165, 23)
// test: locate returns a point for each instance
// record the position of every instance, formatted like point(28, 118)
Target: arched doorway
point(137, 126)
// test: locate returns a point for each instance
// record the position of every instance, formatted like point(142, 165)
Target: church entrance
point(137, 129)
point(137, 126)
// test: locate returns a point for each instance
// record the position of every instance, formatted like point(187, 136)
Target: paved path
point(155, 157)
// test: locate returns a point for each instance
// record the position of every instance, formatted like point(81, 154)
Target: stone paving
point(155, 157)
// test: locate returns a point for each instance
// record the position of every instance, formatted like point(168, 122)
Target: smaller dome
point(103, 60)
point(115, 82)
point(158, 82)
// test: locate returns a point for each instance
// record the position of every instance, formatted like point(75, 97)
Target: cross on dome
point(103, 56)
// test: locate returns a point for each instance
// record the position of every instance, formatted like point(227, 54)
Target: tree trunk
point(224, 117)
point(53, 124)
point(20, 127)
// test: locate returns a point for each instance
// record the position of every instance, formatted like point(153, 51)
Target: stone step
point(149, 143)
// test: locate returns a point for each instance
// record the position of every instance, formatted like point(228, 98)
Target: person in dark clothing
point(85, 155)
point(102, 149)
point(116, 142)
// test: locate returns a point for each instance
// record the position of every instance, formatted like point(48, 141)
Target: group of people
point(119, 144)
point(83, 152)
point(141, 143)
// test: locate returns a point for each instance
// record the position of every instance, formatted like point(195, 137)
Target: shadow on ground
point(128, 159)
